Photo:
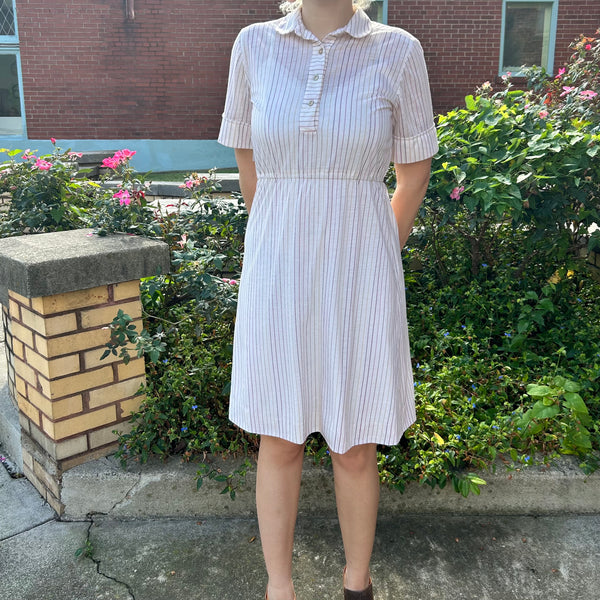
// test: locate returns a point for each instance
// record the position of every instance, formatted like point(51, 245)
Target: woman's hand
point(245, 161)
point(412, 180)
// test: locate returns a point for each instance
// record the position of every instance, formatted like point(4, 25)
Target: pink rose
point(53, 140)
point(111, 163)
point(456, 192)
point(588, 46)
point(543, 114)
point(43, 165)
point(123, 196)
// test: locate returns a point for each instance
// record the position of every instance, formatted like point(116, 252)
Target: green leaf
point(575, 402)
point(470, 102)
point(541, 411)
point(571, 386)
point(476, 479)
point(539, 391)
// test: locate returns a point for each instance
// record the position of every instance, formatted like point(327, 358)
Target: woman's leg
point(277, 489)
point(357, 496)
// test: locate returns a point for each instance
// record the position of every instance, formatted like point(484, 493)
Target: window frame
point(9, 45)
point(11, 39)
point(551, 37)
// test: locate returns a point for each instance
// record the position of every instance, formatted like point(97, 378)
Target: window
point(528, 34)
point(8, 30)
point(378, 11)
point(11, 104)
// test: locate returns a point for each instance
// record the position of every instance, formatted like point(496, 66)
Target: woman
point(318, 104)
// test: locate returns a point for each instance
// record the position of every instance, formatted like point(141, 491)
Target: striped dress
point(321, 338)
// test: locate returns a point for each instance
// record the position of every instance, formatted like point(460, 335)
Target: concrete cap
point(65, 261)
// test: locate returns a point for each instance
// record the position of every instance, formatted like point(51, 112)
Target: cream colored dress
point(321, 338)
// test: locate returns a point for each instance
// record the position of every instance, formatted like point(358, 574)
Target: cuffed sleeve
point(414, 135)
point(235, 125)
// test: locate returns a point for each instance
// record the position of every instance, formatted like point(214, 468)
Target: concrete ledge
point(54, 263)
point(168, 489)
point(230, 182)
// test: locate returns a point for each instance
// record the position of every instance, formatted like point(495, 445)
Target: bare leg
point(277, 489)
point(357, 495)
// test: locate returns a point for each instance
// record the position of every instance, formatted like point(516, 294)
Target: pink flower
point(588, 94)
point(123, 155)
point(123, 196)
point(43, 165)
point(543, 114)
point(76, 154)
point(588, 46)
point(183, 240)
point(456, 192)
point(53, 140)
point(27, 156)
point(561, 72)
point(110, 162)
point(567, 89)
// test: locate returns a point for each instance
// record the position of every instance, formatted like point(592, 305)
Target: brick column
point(69, 400)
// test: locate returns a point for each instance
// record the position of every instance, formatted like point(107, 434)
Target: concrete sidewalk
point(139, 550)
point(417, 556)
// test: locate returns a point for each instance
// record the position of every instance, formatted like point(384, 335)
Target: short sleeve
point(414, 132)
point(235, 125)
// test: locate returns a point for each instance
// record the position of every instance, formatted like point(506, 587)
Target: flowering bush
point(573, 94)
point(125, 210)
point(45, 194)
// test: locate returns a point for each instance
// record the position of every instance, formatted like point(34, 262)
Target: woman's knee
point(280, 450)
point(356, 460)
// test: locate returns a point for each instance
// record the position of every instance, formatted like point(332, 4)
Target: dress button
point(320, 50)
point(316, 78)
point(311, 102)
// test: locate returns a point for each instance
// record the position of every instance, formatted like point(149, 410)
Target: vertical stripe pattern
point(321, 339)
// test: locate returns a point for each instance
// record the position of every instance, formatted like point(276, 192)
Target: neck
point(324, 16)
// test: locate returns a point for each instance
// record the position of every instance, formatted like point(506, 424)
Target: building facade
point(152, 74)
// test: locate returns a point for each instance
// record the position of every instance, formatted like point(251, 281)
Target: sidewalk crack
point(96, 561)
point(128, 493)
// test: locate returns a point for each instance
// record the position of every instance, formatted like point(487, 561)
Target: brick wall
point(89, 73)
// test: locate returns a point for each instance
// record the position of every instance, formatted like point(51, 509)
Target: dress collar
point(358, 26)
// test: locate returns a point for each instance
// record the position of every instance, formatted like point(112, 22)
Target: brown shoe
point(366, 594)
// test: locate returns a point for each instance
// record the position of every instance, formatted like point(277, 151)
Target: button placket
point(309, 116)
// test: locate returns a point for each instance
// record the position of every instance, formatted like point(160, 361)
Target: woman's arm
point(412, 180)
point(247, 168)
